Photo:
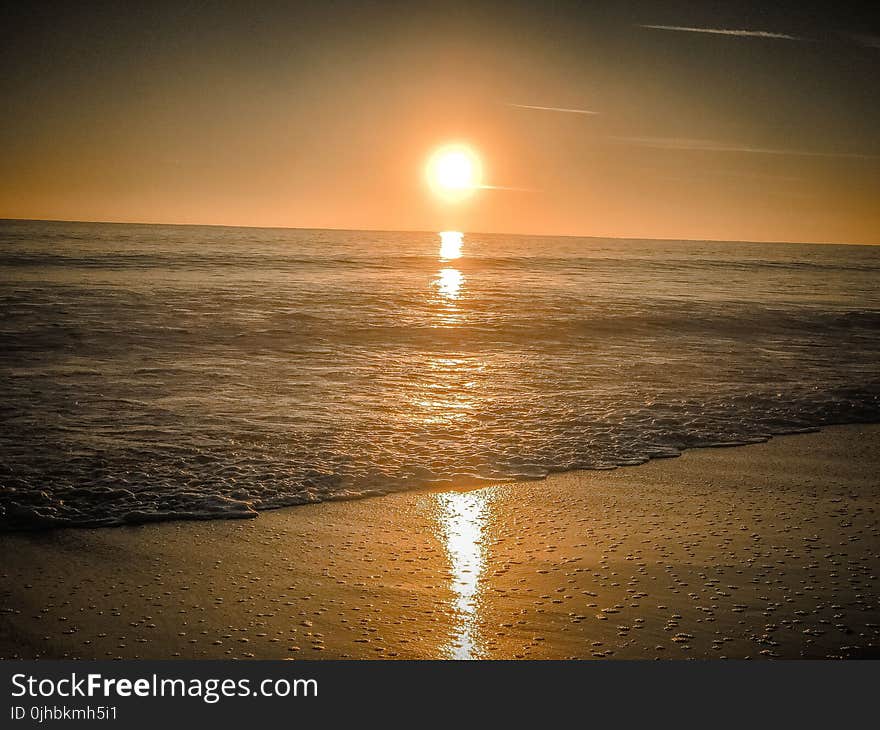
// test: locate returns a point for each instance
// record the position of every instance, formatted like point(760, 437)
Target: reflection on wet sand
point(463, 517)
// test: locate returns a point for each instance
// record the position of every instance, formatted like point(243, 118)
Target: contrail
point(552, 109)
point(726, 31)
point(702, 145)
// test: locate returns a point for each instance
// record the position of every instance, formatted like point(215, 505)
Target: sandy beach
point(767, 550)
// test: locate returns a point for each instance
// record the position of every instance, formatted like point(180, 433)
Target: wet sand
point(769, 550)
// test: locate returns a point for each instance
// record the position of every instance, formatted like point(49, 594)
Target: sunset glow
point(668, 127)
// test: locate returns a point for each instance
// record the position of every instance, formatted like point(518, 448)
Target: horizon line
point(417, 230)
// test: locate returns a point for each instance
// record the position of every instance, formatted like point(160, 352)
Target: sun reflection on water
point(449, 283)
point(450, 244)
point(463, 517)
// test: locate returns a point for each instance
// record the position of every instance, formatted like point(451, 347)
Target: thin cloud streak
point(869, 41)
point(507, 187)
point(701, 145)
point(552, 109)
point(726, 31)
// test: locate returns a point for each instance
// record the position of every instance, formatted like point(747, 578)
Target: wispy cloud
point(552, 109)
point(726, 31)
point(509, 188)
point(703, 145)
point(869, 41)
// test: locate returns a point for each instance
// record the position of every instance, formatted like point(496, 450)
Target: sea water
point(155, 372)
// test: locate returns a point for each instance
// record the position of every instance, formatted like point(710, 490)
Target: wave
point(181, 481)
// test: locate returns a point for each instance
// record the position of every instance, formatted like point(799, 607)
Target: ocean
point(154, 372)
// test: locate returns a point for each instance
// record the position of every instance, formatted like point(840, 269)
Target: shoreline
point(772, 549)
point(251, 513)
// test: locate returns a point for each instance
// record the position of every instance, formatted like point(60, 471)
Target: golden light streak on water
point(449, 283)
point(450, 244)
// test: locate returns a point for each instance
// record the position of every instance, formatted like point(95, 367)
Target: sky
point(711, 120)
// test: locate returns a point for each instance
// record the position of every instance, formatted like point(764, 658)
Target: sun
point(454, 171)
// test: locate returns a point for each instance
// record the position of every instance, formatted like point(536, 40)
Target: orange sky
point(324, 118)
